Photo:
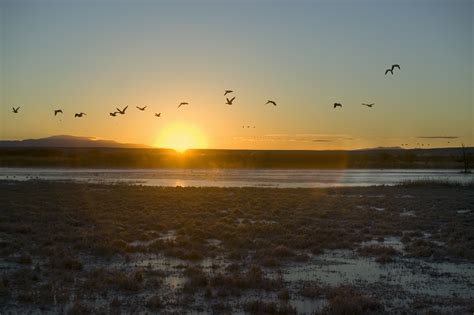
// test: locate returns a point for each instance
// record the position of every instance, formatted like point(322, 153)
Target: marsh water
point(237, 177)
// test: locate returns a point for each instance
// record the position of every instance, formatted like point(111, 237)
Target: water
point(236, 178)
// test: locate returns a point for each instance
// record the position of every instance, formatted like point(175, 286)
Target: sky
point(94, 56)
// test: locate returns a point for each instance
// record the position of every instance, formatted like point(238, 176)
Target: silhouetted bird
point(57, 111)
point(368, 105)
point(271, 102)
point(141, 108)
point(122, 112)
point(229, 101)
point(15, 110)
point(79, 114)
point(391, 69)
point(337, 105)
point(182, 104)
point(227, 92)
point(113, 114)
point(158, 115)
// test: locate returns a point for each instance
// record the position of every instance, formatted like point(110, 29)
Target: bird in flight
point(79, 114)
point(158, 115)
point(368, 105)
point(229, 101)
point(141, 108)
point(271, 102)
point(113, 114)
point(57, 111)
point(15, 110)
point(182, 104)
point(227, 92)
point(122, 112)
point(337, 105)
point(391, 69)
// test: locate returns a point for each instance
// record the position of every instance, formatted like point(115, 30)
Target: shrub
point(262, 307)
point(345, 300)
point(154, 303)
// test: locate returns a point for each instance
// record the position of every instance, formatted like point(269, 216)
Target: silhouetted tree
point(465, 158)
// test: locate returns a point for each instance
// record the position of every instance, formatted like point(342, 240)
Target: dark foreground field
point(104, 249)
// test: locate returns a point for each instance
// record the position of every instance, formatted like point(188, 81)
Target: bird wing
point(387, 71)
point(125, 108)
point(395, 66)
point(232, 99)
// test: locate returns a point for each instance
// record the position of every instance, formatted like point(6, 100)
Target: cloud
point(307, 137)
point(437, 137)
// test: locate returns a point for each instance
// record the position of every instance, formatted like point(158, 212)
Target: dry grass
point(56, 234)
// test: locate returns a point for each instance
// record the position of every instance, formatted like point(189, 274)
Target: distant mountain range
point(65, 141)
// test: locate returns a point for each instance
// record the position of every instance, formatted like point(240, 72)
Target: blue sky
point(94, 55)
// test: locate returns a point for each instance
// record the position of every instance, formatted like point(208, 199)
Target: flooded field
point(105, 249)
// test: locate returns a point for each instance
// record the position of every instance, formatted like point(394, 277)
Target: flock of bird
point(229, 101)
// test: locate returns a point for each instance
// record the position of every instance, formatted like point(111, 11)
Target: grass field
point(105, 249)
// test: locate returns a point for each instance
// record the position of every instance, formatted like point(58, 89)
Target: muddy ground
point(108, 249)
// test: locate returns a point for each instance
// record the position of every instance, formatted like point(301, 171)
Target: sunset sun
point(181, 137)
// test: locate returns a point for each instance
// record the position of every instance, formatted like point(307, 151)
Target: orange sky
point(95, 56)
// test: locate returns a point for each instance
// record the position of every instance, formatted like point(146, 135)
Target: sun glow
point(181, 137)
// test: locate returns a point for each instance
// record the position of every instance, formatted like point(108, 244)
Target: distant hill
point(65, 141)
point(380, 149)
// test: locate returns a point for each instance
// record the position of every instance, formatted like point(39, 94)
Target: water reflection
point(237, 178)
